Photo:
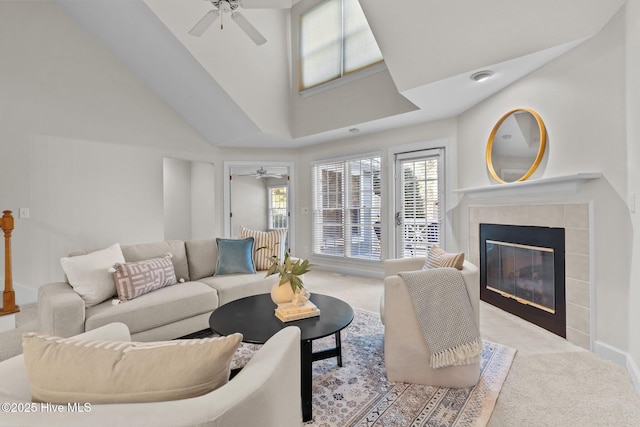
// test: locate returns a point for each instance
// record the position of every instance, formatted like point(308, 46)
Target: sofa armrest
point(267, 390)
point(61, 311)
point(115, 331)
point(395, 265)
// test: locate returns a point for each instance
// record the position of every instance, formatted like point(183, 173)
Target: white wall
point(82, 143)
point(633, 163)
point(248, 204)
point(203, 200)
point(176, 184)
point(580, 97)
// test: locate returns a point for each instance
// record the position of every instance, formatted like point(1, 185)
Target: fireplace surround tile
point(577, 266)
point(574, 217)
point(577, 241)
point(578, 338)
point(578, 292)
point(577, 215)
point(578, 317)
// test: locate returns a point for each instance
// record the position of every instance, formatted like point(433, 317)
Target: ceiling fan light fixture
point(227, 7)
point(481, 76)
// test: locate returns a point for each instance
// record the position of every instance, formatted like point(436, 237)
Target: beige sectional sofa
point(166, 313)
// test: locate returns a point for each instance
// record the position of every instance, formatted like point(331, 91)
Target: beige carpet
point(553, 388)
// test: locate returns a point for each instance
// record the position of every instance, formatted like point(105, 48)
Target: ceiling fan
point(230, 7)
point(262, 173)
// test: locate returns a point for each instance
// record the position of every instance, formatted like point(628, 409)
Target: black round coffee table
point(254, 318)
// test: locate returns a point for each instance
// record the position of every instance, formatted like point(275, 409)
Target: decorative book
point(288, 311)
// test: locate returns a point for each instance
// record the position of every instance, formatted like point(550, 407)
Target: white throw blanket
point(445, 314)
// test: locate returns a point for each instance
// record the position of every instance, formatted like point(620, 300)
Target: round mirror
point(516, 145)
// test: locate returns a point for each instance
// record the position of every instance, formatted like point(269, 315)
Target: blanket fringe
point(463, 354)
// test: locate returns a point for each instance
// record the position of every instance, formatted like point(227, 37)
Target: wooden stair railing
point(8, 296)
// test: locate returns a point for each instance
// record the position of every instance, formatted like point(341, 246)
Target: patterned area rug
point(359, 395)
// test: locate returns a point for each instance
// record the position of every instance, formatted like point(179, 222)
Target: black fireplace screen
point(521, 272)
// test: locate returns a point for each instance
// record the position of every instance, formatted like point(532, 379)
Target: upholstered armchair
point(406, 353)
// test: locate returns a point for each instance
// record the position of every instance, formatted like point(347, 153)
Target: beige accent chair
point(406, 354)
point(266, 392)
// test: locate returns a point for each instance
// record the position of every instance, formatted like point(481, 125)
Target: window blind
point(347, 208)
point(335, 39)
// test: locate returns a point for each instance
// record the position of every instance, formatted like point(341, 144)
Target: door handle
point(398, 218)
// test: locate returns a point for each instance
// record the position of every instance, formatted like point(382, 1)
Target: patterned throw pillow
point(99, 371)
point(267, 244)
point(439, 258)
point(133, 279)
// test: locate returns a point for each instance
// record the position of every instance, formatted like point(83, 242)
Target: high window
point(347, 207)
point(335, 40)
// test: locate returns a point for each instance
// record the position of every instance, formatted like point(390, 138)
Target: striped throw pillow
point(76, 369)
point(439, 258)
point(267, 244)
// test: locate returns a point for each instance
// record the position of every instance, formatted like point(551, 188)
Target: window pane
point(277, 207)
point(360, 47)
point(320, 43)
point(421, 207)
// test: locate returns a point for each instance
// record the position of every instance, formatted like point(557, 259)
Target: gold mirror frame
point(541, 146)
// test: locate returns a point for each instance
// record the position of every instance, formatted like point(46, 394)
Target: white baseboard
point(622, 358)
point(633, 370)
point(610, 353)
point(351, 271)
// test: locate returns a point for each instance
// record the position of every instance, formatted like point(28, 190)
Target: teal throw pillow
point(235, 256)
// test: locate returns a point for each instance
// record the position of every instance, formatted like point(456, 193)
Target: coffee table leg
point(306, 351)
point(339, 348)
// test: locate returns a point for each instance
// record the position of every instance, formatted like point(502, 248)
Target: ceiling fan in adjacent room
point(262, 173)
point(230, 7)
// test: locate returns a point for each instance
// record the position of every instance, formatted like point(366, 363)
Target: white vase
point(281, 294)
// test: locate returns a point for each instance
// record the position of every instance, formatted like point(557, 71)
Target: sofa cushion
point(160, 307)
point(439, 258)
point(62, 370)
point(235, 256)
point(235, 286)
point(133, 279)
point(143, 251)
point(202, 255)
point(88, 274)
point(267, 244)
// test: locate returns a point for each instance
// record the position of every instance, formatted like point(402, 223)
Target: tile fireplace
point(574, 218)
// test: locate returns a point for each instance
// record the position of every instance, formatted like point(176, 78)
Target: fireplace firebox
point(522, 271)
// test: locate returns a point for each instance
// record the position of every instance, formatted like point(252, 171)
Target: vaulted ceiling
point(235, 93)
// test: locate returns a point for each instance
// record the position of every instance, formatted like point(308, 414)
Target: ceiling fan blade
point(268, 4)
point(249, 29)
point(204, 23)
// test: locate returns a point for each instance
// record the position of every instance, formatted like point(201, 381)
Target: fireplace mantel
point(569, 184)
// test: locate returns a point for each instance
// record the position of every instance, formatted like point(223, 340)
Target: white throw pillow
point(88, 274)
